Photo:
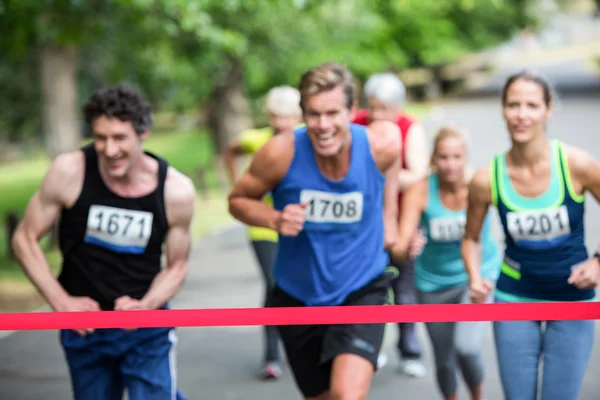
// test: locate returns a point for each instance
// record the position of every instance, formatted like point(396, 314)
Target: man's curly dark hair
point(120, 101)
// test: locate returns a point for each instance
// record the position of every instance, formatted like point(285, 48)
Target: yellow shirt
point(250, 141)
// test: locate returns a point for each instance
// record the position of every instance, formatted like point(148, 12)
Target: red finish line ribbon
point(301, 315)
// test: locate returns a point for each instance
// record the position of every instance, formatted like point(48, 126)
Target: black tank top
point(112, 245)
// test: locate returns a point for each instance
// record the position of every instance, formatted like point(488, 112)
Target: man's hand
point(480, 290)
point(126, 303)
point(73, 304)
point(585, 275)
point(389, 240)
point(291, 220)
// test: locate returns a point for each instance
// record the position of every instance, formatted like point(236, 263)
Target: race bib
point(447, 229)
point(332, 207)
point(118, 229)
point(538, 225)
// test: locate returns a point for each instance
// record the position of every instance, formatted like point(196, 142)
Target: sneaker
point(382, 360)
point(271, 370)
point(413, 368)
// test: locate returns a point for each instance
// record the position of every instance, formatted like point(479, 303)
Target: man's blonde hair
point(283, 101)
point(326, 77)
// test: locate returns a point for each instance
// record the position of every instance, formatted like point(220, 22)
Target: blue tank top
point(544, 235)
point(440, 265)
point(340, 248)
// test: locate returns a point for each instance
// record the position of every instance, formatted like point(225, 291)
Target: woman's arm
point(480, 198)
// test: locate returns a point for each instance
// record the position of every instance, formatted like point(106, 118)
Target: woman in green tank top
point(538, 187)
point(438, 203)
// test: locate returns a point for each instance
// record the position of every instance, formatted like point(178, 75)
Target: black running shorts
point(310, 349)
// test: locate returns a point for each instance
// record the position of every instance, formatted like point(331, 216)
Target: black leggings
point(265, 252)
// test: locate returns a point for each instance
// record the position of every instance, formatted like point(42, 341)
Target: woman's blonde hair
point(451, 130)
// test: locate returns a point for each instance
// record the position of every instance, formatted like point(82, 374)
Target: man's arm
point(417, 157)
point(180, 201)
point(414, 202)
point(269, 165)
point(60, 187)
point(385, 143)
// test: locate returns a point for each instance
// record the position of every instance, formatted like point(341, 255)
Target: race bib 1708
point(118, 229)
point(447, 229)
point(332, 207)
point(538, 225)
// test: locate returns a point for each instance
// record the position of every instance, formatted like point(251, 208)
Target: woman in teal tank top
point(538, 187)
point(438, 204)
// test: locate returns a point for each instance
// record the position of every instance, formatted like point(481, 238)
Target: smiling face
point(327, 118)
point(526, 110)
point(117, 144)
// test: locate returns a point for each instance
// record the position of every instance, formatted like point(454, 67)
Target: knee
point(445, 368)
point(466, 350)
point(347, 393)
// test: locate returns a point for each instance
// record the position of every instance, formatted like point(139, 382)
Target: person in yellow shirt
point(283, 108)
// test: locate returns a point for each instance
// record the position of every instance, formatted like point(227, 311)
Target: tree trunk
point(58, 77)
point(228, 114)
point(59, 98)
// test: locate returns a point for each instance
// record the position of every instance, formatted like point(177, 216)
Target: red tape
point(301, 315)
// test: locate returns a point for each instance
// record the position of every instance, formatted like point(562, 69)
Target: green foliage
point(178, 51)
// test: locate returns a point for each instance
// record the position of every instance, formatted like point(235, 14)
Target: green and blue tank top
point(544, 235)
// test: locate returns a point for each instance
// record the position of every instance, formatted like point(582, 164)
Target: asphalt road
point(220, 363)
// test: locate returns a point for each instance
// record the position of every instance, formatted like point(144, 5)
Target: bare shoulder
point(480, 185)
point(580, 161)
point(180, 197)
point(64, 179)
point(384, 139)
point(273, 159)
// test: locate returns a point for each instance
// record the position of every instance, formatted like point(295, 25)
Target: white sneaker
point(382, 360)
point(271, 370)
point(414, 368)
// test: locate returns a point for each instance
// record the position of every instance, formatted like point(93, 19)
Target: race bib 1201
point(118, 229)
point(332, 207)
point(447, 229)
point(538, 225)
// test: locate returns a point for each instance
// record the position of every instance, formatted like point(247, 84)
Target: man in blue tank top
point(117, 205)
point(334, 187)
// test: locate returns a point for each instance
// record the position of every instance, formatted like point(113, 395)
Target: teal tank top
point(544, 235)
point(440, 264)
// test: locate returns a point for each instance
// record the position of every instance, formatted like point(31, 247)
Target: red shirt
point(404, 122)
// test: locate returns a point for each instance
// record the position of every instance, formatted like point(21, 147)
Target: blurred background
point(206, 65)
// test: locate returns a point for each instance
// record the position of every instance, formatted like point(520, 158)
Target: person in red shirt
point(385, 94)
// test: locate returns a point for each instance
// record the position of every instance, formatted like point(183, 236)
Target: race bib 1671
point(342, 208)
point(118, 229)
